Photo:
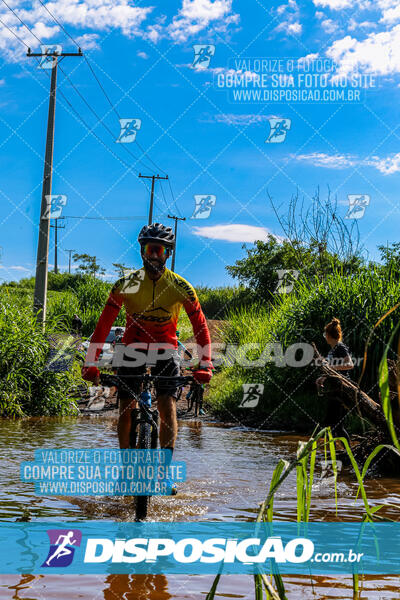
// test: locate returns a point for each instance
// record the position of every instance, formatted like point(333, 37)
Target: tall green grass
point(26, 389)
point(304, 465)
point(86, 297)
point(218, 302)
point(358, 301)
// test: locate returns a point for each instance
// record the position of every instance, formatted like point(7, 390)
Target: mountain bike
point(144, 419)
point(194, 398)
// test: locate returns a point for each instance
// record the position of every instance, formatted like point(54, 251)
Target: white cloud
point(289, 18)
point(197, 15)
point(355, 25)
point(143, 55)
point(233, 233)
point(334, 4)
point(88, 41)
point(91, 16)
point(15, 268)
point(330, 161)
point(237, 120)
point(99, 15)
point(249, 75)
point(329, 25)
point(391, 14)
point(295, 28)
point(2, 81)
point(378, 53)
point(386, 165)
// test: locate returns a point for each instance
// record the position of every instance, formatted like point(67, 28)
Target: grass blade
point(211, 593)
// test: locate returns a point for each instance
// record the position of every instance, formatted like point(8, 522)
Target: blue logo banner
point(103, 472)
point(200, 548)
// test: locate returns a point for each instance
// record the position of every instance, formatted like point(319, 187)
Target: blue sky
point(192, 128)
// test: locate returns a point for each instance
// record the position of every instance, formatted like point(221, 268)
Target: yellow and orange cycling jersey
point(152, 310)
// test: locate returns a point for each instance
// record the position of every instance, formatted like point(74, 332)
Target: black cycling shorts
point(130, 388)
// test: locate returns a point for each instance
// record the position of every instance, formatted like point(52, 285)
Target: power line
point(107, 218)
point(21, 21)
point(58, 23)
point(85, 101)
point(13, 32)
point(173, 198)
point(138, 160)
point(72, 84)
point(163, 195)
point(113, 107)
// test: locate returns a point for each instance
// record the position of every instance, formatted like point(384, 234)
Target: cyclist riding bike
point(153, 298)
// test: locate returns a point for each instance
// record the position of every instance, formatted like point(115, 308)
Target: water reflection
point(194, 432)
point(137, 587)
point(22, 585)
point(228, 473)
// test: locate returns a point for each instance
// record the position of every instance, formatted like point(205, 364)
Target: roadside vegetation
point(326, 274)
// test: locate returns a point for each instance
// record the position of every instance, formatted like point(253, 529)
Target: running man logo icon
point(55, 203)
point(47, 61)
point(252, 392)
point(129, 128)
point(62, 547)
point(133, 281)
point(286, 280)
point(357, 205)
point(278, 130)
point(202, 55)
point(203, 206)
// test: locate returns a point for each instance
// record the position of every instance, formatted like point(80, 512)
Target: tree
point(88, 264)
point(390, 257)
point(321, 228)
point(121, 269)
point(317, 241)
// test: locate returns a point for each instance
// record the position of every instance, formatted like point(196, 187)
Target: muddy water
point(228, 471)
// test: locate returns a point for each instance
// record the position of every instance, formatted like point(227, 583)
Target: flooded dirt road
point(228, 472)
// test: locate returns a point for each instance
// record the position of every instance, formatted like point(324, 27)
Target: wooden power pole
point(153, 178)
point(176, 219)
point(69, 259)
point(56, 228)
point(42, 258)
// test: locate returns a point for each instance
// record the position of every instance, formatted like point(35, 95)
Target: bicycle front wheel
point(142, 502)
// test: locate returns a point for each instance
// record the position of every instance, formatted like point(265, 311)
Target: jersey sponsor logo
point(188, 288)
point(142, 317)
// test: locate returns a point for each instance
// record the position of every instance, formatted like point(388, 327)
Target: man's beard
point(153, 266)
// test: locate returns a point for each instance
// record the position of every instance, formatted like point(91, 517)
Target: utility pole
point(69, 258)
point(56, 227)
point(176, 219)
point(42, 258)
point(153, 178)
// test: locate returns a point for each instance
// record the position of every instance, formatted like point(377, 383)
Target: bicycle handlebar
point(115, 380)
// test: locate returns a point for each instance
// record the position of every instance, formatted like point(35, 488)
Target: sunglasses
point(158, 249)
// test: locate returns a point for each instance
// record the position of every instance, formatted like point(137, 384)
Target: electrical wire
point(83, 98)
point(113, 107)
point(106, 218)
point(13, 32)
point(173, 199)
point(21, 21)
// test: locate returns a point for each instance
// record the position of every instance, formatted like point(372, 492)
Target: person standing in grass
point(338, 359)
